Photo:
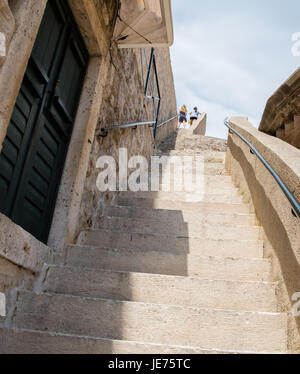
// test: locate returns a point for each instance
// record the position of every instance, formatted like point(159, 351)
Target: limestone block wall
point(123, 102)
point(112, 94)
point(281, 229)
point(281, 117)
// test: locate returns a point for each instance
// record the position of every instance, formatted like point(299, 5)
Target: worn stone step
point(209, 184)
point(197, 142)
point(173, 216)
point(208, 189)
point(212, 206)
point(18, 341)
point(209, 168)
point(179, 229)
point(167, 263)
point(212, 180)
point(160, 324)
point(189, 182)
point(219, 238)
point(205, 169)
point(213, 157)
point(157, 289)
point(234, 197)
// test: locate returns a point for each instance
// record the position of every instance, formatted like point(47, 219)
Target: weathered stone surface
point(173, 282)
point(273, 210)
point(182, 140)
point(123, 102)
point(15, 341)
point(21, 248)
point(173, 216)
point(150, 288)
point(152, 323)
point(199, 126)
point(145, 260)
point(193, 230)
point(7, 28)
point(281, 115)
point(135, 273)
point(212, 205)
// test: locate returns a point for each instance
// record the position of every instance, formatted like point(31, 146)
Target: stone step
point(213, 157)
point(151, 288)
point(234, 197)
point(208, 189)
point(212, 180)
point(209, 168)
point(173, 216)
point(159, 324)
point(167, 263)
point(221, 240)
point(19, 341)
point(213, 185)
point(178, 229)
point(208, 206)
point(197, 146)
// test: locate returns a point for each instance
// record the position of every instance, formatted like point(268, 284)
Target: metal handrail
point(284, 188)
point(104, 131)
point(167, 121)
point(154, 124)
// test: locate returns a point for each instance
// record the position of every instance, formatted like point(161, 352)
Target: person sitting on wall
point(194, 115)
point(183, 117)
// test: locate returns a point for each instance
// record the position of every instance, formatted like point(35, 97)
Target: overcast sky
point(230, 56)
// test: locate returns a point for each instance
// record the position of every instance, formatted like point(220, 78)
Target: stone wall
point(21, 255)
point(199, 126)
point(112, 94)
point(281, 117)
point(7, 28)
point(272, 209)
point(123, 102)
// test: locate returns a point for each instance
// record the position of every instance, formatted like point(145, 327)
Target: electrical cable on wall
point(126, 36)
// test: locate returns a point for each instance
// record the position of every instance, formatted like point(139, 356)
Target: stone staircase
point(161, 273)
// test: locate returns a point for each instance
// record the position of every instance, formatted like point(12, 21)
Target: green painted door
point(35, 147)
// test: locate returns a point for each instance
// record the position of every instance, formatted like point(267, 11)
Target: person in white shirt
point(194, 115)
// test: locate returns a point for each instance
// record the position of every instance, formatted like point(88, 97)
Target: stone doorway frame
point(27, 16)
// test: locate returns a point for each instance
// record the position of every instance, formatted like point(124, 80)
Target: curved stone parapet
point(281, 228)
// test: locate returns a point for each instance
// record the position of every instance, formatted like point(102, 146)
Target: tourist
point(194, 115)
point(183, 116)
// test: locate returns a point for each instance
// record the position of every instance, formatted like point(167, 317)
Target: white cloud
point(229, 57)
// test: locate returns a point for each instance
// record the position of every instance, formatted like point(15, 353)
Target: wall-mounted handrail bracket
point(291, 198)
point(152, 65)
point(103, 133)
point(152, 124)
